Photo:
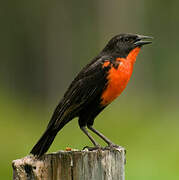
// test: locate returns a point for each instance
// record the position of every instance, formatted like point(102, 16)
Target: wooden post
point(72, 165)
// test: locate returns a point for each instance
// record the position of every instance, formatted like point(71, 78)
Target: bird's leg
point(96, 145)
point(110, 143)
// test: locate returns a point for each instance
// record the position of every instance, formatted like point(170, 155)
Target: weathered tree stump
point(72, 165)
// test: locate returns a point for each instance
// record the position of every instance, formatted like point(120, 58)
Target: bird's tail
point(44, 143)
point(56, 123)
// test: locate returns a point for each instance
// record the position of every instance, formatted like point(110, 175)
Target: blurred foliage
point(44, 44)
point(147, 129)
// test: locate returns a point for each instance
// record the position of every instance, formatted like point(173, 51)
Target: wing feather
point(87, 86)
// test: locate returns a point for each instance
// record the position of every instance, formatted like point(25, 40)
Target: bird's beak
point(142, 40)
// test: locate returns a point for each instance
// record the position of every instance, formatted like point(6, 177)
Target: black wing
point(87, 86)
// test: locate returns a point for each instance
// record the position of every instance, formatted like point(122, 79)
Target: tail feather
point(56, 123)
point(44, 143)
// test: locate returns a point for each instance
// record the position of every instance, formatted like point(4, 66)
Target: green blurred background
point(43, 44)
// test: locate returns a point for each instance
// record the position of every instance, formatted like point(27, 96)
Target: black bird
point(96, 86)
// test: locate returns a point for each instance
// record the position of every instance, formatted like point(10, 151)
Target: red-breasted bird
point(94, 88)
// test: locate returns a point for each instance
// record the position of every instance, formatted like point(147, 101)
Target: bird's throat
point(132, 55)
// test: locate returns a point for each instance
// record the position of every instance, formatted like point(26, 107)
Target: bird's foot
point(114, 146)
point(92, 148)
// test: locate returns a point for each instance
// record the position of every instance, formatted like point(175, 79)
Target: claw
point(92, 148)
point(114, 146)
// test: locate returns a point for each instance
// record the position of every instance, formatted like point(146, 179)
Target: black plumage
point(83, 97)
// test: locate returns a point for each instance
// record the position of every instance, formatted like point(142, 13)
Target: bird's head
point(122, 44)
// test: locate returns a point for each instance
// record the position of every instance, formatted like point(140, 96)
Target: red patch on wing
point(118, 78)
point(106, 63)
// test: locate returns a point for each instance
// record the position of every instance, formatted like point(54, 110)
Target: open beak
point(142, 40)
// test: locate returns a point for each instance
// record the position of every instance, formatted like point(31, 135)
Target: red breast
point(118, 78)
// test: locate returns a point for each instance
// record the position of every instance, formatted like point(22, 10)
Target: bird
point(100, 82)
